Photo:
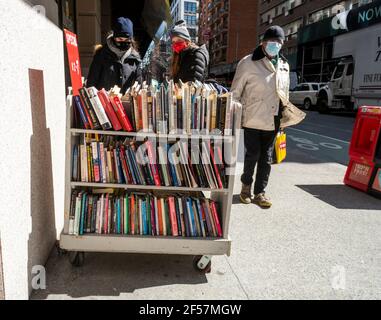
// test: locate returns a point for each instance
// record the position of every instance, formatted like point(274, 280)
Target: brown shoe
point(262, 201)
point(246, 196)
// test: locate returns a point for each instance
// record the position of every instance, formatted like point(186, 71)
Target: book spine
point(103, 97)
point(153, 164)
point(173, 218)
point(121, 114)
point(81, 111)
point(103, 162)
point(98, 108)
point(86, 102)
point(94, 148)
point(216, 219)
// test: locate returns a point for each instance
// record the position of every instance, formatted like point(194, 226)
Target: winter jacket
point(108, 70)
point(193, 64)
point(263, 89)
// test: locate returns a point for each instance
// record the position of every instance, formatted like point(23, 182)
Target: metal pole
point(322, 61)
point(303, 57)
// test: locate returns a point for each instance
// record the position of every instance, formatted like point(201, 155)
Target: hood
point(205, 52)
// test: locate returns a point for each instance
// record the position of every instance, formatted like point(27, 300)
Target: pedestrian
point(118, 61)
point(190, 62)
point(261, 84)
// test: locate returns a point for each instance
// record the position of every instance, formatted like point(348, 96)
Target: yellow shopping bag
point(280, 147)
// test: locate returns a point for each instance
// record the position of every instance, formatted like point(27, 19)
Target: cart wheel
point(60, 251)
point(77, 258)
point(204, 268)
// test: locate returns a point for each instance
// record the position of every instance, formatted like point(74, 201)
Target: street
point(320, 240)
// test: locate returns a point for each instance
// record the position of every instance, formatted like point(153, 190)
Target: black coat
point(106, 70)
point(193, 65)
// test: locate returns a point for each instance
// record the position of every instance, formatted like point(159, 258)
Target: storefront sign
point(74, 62)
point(364, 16)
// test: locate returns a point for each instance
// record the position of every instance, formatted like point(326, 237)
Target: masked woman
point(190, 62)
point(118, 61)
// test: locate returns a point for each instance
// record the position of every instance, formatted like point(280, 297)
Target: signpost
point(74, 62)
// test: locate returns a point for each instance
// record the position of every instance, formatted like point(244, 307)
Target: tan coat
point(260, 87)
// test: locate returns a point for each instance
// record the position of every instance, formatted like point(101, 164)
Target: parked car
point(305, 94)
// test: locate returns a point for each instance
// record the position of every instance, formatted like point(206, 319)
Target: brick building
point(229, 28)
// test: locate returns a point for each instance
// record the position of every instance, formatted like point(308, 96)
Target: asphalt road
point(321, 138)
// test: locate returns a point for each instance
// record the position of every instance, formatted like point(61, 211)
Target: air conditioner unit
point(271, 21)
point(286, 13)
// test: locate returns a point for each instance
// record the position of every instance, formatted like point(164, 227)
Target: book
point(90, 109)
point(98, 108)
point(106, 103)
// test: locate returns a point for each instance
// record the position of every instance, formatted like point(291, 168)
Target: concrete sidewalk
point(320, 240)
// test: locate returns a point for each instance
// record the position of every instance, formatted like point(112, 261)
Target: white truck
point(356, 80)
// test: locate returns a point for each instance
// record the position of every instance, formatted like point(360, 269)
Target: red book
point(172, 215)
point(160, 217)
point(219, 181)
point(216, 219)
point(104, 98)
point(121, 114)
point(132, 215)
point(153, 164)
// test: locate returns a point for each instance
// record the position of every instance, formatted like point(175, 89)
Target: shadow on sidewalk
point(112, 274)
point(342, 197)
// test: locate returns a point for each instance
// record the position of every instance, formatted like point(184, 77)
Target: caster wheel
point(77, 259)
point(203, 269)
point(60, 251)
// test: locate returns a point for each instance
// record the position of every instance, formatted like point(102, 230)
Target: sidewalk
point(320, 240)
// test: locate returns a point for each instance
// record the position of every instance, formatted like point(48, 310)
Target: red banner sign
point(74, 62)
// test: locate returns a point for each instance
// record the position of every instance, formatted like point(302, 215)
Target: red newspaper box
point(366, 134)
point(359, 174)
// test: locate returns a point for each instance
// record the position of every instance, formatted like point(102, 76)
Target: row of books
point(143, 214)
point(118, 160)
point(167, 108)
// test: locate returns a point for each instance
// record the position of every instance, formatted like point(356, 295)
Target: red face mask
point(179, 46)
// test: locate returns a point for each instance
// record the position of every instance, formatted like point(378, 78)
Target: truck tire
point(323, 106)
point(307, 105)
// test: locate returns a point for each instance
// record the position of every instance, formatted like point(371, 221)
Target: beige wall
point(32, 143)
point(89, 30)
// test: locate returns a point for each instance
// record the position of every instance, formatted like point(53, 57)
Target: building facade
point(187, 10)
point(312, 59)
point(229, 28)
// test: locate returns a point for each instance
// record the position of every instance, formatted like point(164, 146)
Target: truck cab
point(337, 94)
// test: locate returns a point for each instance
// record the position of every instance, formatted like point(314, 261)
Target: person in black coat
point(118, 61)
point(190, 62)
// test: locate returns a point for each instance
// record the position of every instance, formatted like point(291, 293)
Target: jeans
point(259, 146)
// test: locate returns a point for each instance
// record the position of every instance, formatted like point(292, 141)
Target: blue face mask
point(273, 48)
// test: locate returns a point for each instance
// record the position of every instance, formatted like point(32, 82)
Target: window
point(339, 71)
point(315, 87)
point(190, 20)
point(190, 7)
point(350, 69)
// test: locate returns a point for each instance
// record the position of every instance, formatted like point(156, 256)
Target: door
point(337, 80)
point(348, 80)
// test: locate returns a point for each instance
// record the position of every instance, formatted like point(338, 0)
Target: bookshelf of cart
point(145, 244)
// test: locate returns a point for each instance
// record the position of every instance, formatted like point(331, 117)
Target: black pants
point(259, 146)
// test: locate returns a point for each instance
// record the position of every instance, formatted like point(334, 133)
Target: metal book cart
point(201, 248)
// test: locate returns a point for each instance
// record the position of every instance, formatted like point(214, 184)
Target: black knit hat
point(180, 30)
point(123, 27)
point(274, 32)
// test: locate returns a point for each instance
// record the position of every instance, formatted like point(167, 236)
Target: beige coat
point(260, 87)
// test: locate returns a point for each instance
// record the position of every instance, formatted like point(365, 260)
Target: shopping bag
point(280, 147)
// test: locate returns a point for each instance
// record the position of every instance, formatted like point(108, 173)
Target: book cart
point(201, 248)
